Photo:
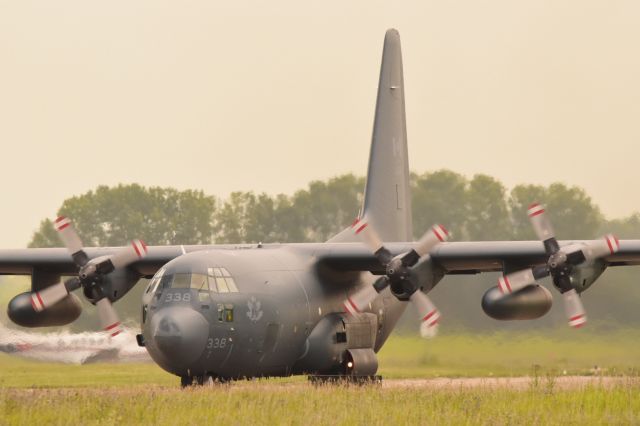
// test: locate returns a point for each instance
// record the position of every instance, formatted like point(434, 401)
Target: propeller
point(560, 264)
point(90, 276)
point(399, 274)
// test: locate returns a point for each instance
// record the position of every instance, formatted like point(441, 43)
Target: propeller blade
point(428, 312)
point(372, 240)
point(542, 227)
point(360, 300)
point(437, 234)
point(514, 281)
point(71, 240)
point(40, 300)
point(609, 244)
point(136, 251)
point(574, 309)
point(108, 317)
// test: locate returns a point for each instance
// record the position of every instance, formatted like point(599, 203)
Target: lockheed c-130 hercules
point(237, 311)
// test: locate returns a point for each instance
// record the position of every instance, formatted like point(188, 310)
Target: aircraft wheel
point(209, 380)
point(186, 381)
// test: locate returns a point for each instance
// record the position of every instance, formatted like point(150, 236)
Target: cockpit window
point(221, 279)
point(217, 280)
point(199, 282)
point(181, 281)
point(153, 284)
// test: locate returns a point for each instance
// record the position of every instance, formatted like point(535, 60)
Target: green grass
point(42, 393)
point(512, 354)
point(265, 403)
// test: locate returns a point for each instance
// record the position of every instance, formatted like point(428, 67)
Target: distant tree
point(487, 211)
point(570, 209)
point(520, 198)
point(628, 227)
point(326, 208)
point(473, 209)
point(231, 218)
point(113, 216)
point(439, 197)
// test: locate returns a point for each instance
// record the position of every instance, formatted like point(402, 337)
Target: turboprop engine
point(102, 279)
point(573, 268)
point(534, 301)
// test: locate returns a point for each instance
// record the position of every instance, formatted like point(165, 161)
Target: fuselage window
point(228, 313)
point(225, 313)
point(220, 312)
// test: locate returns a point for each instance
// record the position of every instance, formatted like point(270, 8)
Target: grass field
point(40, 393)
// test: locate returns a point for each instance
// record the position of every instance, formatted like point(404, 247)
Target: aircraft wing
point(453, 258)
point(58, 260)
point(468, 257)
point(40, 262)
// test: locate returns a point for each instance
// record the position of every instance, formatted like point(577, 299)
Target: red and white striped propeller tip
point(504, 285)
point(359, 301)
point(535, 209)
point(441, 232)
point(140, 248)
point(578, 321)
point(48, 297)
point(612, 242)
point(357, 226)
point(574, 310)
point(370, 237)
point(61, 223)
point(109, 320)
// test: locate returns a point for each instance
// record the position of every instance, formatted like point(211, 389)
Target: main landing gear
point(344, 379)
point(204, 380)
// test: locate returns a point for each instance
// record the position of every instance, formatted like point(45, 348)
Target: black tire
point(186, 381)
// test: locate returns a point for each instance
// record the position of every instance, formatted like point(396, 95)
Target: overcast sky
point(266, 96)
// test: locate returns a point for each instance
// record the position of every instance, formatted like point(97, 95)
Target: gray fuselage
point(248, 312)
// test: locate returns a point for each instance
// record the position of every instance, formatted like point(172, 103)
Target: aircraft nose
point(180, 333)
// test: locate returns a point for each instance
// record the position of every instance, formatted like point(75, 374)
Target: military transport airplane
point(225, 311)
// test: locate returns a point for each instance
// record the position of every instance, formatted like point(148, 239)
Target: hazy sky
point(267, 96)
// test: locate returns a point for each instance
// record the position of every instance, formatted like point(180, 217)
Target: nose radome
point(180, 333)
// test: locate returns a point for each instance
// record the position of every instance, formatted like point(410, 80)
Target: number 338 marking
point(216, 343)
point(178, 297)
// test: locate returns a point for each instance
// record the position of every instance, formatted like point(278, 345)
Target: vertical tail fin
point(387, 199)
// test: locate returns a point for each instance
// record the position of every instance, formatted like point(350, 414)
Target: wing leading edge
point(453, 257)
point(469, 257)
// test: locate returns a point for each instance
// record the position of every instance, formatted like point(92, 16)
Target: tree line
point(474, 209)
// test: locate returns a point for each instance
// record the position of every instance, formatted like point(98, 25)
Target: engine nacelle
point(583, 276)
point(341, 344)
point(115, 284)
point(21, 312)
point(530, 302)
